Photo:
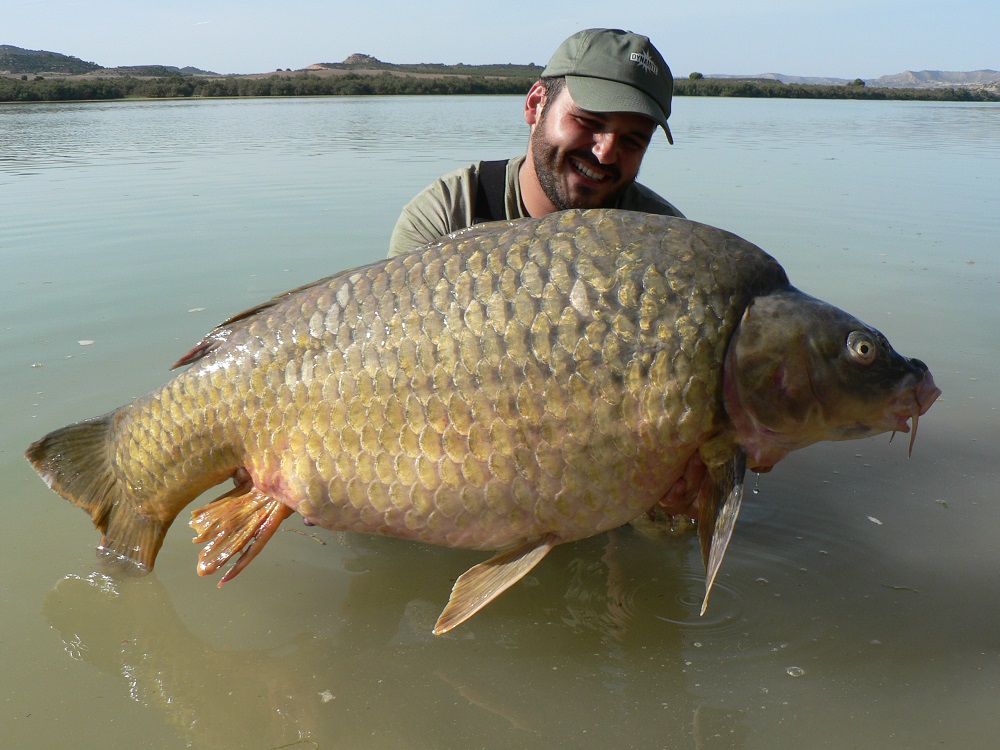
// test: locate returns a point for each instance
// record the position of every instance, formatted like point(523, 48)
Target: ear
point(533, 103)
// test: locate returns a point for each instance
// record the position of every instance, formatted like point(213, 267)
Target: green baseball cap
point(610, 70)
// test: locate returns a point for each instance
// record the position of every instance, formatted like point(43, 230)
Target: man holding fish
point(593, 113)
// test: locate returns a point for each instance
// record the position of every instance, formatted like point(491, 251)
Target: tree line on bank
point(302, 84)
point(351, 84)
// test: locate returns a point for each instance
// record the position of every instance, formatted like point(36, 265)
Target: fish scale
point(510, 387)
point(526, 362)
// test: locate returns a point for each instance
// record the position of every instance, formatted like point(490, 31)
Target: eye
point(589, 123)
point(634, 144)
point(862, 347)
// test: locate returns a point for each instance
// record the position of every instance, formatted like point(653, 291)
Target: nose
point(606, 147)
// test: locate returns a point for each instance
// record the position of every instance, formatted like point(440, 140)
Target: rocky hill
point(939, 78)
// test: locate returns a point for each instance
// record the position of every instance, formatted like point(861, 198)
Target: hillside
point(939, 78)
point(35, 75)
point(17, 60)
point(927, 79)
point(358, 62)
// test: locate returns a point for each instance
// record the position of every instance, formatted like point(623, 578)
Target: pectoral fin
point(483, 583)
point(719, 505)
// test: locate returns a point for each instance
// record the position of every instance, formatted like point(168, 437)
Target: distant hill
point(362, 62)
point(939, 78)
point(17, 60)
point(156, 71)
point(907, 79)
point(805, 80)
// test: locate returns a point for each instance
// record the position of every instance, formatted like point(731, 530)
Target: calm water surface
point(858, 605)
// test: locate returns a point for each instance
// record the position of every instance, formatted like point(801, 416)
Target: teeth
point(587, 171)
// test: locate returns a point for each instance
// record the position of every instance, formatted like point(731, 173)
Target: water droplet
point(761, 581)
point(795, 671)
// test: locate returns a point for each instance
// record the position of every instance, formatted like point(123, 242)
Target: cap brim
point(602, 95)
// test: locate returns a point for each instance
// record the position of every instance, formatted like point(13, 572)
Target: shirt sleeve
point(444, 206)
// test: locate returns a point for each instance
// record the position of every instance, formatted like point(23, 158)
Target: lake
point(858, 603)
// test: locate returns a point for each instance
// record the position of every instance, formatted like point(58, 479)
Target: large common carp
point(511, 387)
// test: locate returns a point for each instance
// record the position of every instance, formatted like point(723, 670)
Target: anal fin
point(242, 520)
point(483, 583)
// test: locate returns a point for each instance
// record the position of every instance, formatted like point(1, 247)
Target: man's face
point(587, 159)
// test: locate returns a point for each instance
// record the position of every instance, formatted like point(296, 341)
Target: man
point(592, 114)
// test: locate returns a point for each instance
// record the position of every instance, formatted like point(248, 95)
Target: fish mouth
point(913, 403)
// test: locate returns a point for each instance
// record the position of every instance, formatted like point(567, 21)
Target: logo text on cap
point(644, 62)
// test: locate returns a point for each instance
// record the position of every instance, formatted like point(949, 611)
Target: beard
point(551, 164)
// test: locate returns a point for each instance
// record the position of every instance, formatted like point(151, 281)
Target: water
point(858, 603)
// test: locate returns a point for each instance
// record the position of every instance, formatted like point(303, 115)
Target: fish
point(508, 388)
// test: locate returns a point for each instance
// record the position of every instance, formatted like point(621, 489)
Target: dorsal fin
point(218, 335)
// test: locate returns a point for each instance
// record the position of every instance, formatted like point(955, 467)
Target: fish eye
point(862, 347)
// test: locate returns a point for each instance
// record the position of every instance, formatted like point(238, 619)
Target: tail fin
point(77, 462)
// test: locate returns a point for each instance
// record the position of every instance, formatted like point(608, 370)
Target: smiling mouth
point(586, 170)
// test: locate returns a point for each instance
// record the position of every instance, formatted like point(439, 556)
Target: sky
point(836, 38)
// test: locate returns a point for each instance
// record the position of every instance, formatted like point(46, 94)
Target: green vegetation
point(150, 71)
point(301, 84)
point(764, 88)
point(509, 70)
point(17, 60)
point(360, 74)
point(520, 78)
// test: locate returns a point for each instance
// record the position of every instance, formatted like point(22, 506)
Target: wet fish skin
point(461, 367)
point(510, 388)
point(826, 353)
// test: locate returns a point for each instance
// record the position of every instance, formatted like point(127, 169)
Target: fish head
point(799, 370)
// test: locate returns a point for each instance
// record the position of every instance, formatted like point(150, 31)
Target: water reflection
point(371, 671)
point(37, 137)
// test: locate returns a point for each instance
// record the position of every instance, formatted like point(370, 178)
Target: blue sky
point(836, 38)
